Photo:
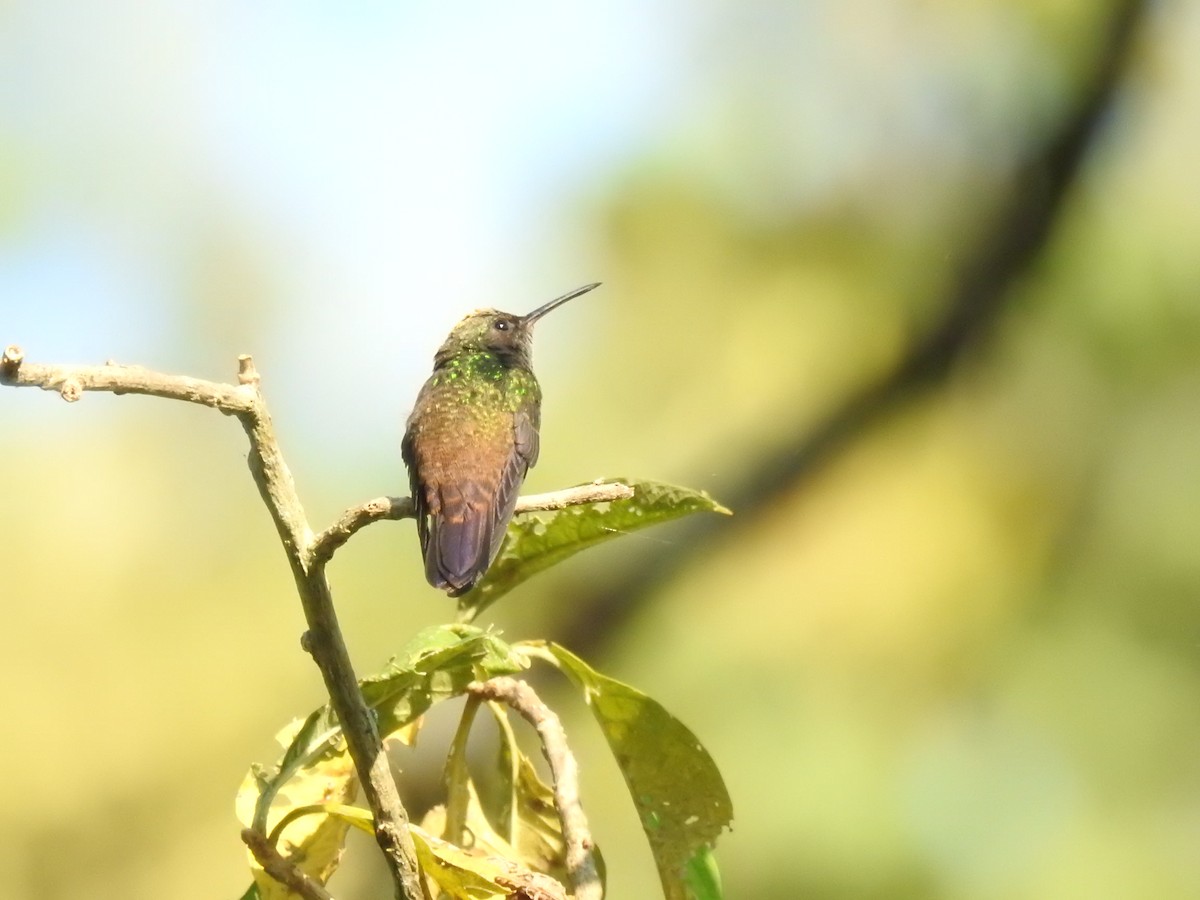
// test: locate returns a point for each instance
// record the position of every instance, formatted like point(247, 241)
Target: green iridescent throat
point(482, 368)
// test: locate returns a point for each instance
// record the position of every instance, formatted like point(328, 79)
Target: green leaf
point(537, 541)
point(676, 788)
point(437, 664)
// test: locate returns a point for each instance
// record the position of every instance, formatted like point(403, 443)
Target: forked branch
point(306, 554)
point(278, 491)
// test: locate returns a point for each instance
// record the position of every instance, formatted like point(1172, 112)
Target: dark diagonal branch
point(564, 771)
point(973, 306)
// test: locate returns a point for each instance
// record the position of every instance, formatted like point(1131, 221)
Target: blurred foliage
point(961, 663)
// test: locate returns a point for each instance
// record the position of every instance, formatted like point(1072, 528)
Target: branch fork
point(307, 555)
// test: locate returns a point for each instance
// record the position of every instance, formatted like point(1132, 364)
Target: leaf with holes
point(676, 788)
point(437, 664)
point(536, 541)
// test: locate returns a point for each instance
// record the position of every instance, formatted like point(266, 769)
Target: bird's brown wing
point(522, 459)
point(420, 507)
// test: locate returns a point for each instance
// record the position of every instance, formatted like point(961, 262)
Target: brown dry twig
point(280, 867)
point(307, 554)
point(581, 862)
point(278, 491)
point(326, 543)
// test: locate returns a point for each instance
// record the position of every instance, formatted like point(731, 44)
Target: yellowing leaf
point(315, 768)
point(528, 819)
point(313, 842)
point(463, 875)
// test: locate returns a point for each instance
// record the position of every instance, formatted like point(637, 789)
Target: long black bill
point(557, 302)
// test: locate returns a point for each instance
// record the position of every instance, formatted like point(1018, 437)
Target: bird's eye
point(501, 325)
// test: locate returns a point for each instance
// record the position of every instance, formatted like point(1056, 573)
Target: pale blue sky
point(373, 171)
point(388, 166)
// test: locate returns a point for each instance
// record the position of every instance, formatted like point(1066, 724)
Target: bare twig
point(581, 862)
point(596, 492)
point(278, 490)
point(532, 886)
point(10, 360)
point(308, 556)
point(281, 868)
point(325, 544)
point(380, 509)
point(71, 381)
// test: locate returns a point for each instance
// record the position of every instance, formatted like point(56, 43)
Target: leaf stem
point(351, 815)
point(508, 745)
point(457, 775)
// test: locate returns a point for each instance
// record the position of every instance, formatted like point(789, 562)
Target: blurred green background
point(957, 656)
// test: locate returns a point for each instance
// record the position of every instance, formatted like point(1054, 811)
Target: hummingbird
point(471, 437)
